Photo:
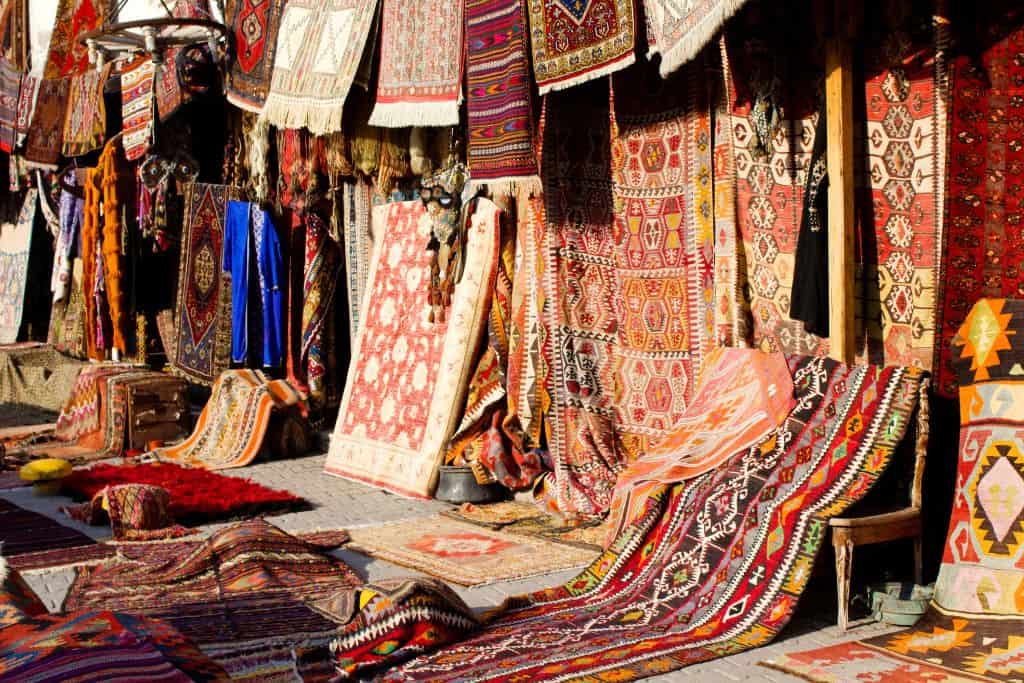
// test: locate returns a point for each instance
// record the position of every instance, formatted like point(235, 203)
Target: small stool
point(46, 475)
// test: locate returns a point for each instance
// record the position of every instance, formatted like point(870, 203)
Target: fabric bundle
point(319, 49)
point(420, 80)
point(256, 24)
point(322, 267)
point(15, 249)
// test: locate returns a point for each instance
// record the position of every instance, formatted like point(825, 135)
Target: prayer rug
point(679, 31)
point(421, 53)
point(67, 56)
point(319, 48)
point(137, 107)
point(695, 579)
point(45, 136)
point(576, 42)
point(408, 376)
point(15, 247)
point(243, 596)
point(234, 421)
point(358, 237)
point(498, 97)
point(85, 126)
point(322, 267)
point(10, 88)
point(198, 495)
point(203, 345)
point(255, 23)
point(30, 540)
point(466, 554)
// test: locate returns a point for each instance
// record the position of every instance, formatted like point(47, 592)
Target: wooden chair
point(849, 532)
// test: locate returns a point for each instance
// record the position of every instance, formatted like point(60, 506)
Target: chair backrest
point(920, 445)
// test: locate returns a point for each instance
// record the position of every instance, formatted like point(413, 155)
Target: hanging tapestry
point(498, 96)
point(86, 123)
point(67, 56)
point(67, 327)
point(26, 106)
point(408, 376)
point(573, 43)
point(421, 52)
point(255, 24)
point(322, 267)
point(319, 48)
point(137, 107)
point(693, 579)
point(70, 214)
point(203, 344)
point(358, 237)
point(15, 247)
point(10, 89)
point(679, 31)
point(44, 137)
point(234, 421)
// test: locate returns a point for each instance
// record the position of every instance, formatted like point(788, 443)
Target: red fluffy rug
point(197, 495)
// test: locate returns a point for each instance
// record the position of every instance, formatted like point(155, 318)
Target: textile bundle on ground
point(421, 53)
point(713, 566)
point(256, 24)
point(408, 376)
point(37, 376)
point(974, 623)
point(32, 540)
point(242, 596)
point(319, 49)
point(15, 248)
point(204, 293)
point(234, 421)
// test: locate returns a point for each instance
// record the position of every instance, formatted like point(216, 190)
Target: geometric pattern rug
point(30, 540)
point(466, 554)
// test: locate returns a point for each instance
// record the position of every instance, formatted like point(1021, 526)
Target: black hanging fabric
point(809, 298)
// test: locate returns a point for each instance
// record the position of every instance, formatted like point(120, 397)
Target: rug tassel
point(517, 186)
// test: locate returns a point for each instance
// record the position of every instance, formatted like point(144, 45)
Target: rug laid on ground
point(972, 629)
point(716, 565)
point(244, 596)
point(408, 376)
point(421, 58)
point(500, 149)
point(31, 540)
point(234, 421)
point(319, 49)
point(256, 24)
point(39, 377)
point(15, 247)
point(467, 554)
point(204, 294)
point(528, 519)
point(198, 495)
point(573, 43)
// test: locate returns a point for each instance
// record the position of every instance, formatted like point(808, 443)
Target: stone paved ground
point(338, 503)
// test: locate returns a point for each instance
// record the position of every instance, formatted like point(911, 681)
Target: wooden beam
point(839, 155)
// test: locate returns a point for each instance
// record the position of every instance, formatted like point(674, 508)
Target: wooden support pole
point(839, 154)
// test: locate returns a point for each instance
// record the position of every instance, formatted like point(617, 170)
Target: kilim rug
point(10, 88)
point(31, 540)
point(358, 237)
point(408, 377)
point(234, 421)
point(45, 135)
point(679, 31)
point(85, 126)
point(467, 554)
point(580, 41)
point(693, 579)
point(255, 24)
point(499, 97)
point(242, 596)
point(203, 317)
point(15, 246)
point(137, 107)
point(319, 49)
point(421, 53)
point(68, 56)
point(198, 495)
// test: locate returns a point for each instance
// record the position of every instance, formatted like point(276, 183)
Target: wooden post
point(839, 153)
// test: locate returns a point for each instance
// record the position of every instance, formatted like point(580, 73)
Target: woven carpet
point(576, 42)
point(321, 269)
point(45, 135)
point(421, 53)
point(467, 554)
point(678, 32)
point(10, 88)
point(498, 97)
point(693, 579)
point(15, 247)
point(29, 540)
point(358, 238)
point(198, 496)
point(137, 107)
point(85, 125)
point(67, 56)
point(255, 24)
point(39, 377)
point(241, 595)
point(234, 421)
point(204, 293)
point(408, 376)
point(319, 48)
point(528, 519)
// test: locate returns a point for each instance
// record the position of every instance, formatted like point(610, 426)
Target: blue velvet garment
point(270, 264)
point(236, 262)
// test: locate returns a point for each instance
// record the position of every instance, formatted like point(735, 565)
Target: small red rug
point(198, 496)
